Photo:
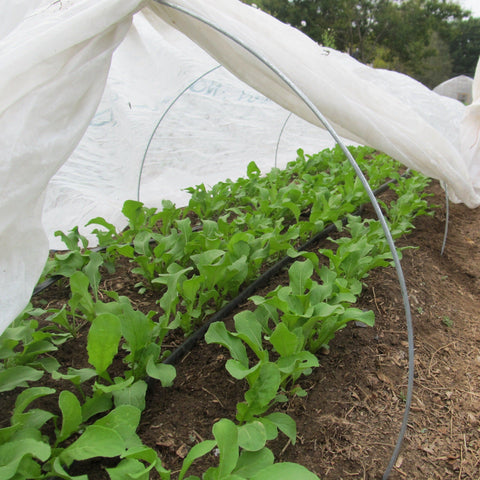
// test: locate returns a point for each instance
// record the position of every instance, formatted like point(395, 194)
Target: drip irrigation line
point(195, 337)
point(45, 284)
point(447, 218)
point(306, 100)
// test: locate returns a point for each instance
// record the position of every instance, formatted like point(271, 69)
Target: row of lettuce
point(196, 259)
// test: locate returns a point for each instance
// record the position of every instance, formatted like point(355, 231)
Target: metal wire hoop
point(164, 114)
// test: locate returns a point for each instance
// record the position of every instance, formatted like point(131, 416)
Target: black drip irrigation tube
point(195, 337)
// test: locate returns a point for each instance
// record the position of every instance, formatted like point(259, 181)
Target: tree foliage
point(430, 40)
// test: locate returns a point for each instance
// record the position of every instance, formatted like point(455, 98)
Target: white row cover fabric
point(54, 62)
point(204, 135)
point(459, 88)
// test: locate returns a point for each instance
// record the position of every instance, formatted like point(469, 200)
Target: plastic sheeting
point(54, 61)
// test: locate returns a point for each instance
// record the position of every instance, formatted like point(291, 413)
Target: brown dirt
point(349, 422)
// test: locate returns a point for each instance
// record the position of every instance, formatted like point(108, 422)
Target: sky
point(472, 5)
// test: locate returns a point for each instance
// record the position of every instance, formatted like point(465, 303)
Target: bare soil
point(349, 422)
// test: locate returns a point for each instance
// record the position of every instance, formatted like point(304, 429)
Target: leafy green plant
point(265, 378)
point(239, 227)
point(25, 349)
point(410, 203)
point(242, 455)
point(447, 321)
point(310, 311)
point(26, 453)
point(76, 258)
point(118, 325)
point(364, 249)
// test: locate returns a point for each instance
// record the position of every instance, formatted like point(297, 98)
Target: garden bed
point(348, 423)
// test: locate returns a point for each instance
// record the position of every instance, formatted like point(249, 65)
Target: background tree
point(430, 40)
point(465, 46)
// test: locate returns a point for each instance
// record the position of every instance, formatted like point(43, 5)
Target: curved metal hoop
point(371, 195)
point(164, 114)
point(447, 219)
point(280, 135)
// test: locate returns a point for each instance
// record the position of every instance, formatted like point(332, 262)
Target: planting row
point(196, 259)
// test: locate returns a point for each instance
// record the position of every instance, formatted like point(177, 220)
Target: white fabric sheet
point(74, 131)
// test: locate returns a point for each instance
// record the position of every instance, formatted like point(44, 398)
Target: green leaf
point(135, 213)
point(252, 436)
point(81, 297)
point(252, 170)
point(173, 280)
point(264, 389)
point(71, 414)
point(208, 257)
point(250, 463)
point(295, 365)
point(96, 441)
point(49, 364)
point(126, 251)
point(238, 370)
point(226, 435)
point(104, 238)
point(61, 473)
point(249, 330)
point(34, 419)
point(284, 341)
point(326, 310)
point(7, 433)
point(197, 451)
point(97, 404)
point(161, 371)
point(72, 238)
point(285, 424)
point(141, 243)
point(119, 384)
point(368, 317)
point(76, 376)
point(13, 452)
point(136, 327)
point(190, 288)
point(26, 397)
point(300, 273)
point(218, 333)
point(18, 376)
point(129, 468)
point(103, 338)
point(91, 269)
point(285, 471)
point(123, 420)
point(132, 395)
